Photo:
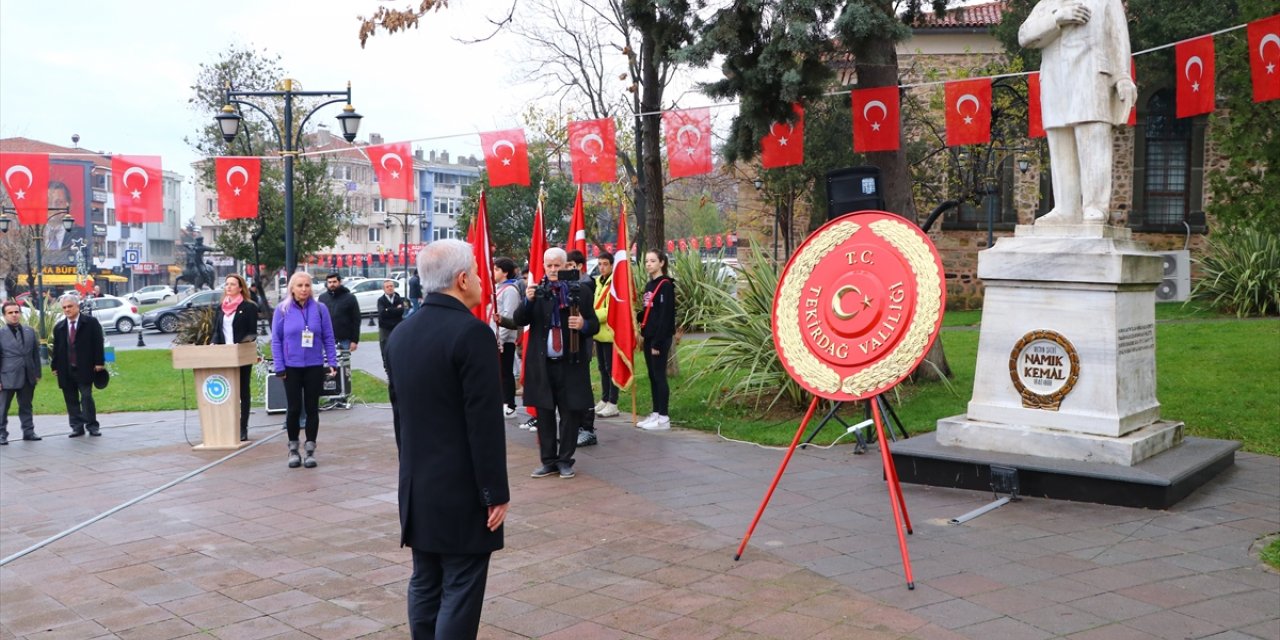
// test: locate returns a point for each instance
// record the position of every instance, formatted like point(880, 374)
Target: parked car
point(151, 295)
point(113, 313)
point(165, 319)
point(367, 292)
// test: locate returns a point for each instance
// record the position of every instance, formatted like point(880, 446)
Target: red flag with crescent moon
point(1035, 117)
point(1195, 76)
point(1264, 58)
point(784, 146)
point(671, 246)
point(968, 105)
point(622, 317)
point(506, 157)
point(577, 226)
point(136, 182)
point(26, 180)
point(875, 119)
point(592, 152)
point(483, 252)
point(238, 180)
point(393, 166)
point(688, 142)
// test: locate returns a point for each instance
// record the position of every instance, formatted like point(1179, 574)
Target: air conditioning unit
point(1175, 285)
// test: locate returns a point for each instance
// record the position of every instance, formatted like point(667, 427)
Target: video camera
point(570, 278)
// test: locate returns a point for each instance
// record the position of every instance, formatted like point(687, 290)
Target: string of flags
point(876, 114)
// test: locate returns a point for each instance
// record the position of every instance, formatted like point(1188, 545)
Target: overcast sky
point(118, 73)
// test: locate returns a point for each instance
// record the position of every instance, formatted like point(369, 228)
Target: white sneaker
point(609, 410)
point(646, 420)
point(599, 406)
point(661, 423)
point(508, 411)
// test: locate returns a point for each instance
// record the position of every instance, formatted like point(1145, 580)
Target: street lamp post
point(38, 237)
point(229, 122)
point(404, 247)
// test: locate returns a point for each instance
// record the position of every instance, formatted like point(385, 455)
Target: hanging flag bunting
point(688, 142)
point(719, 240)
point(1035, 119)
point(238, 180)
point(968, 112)
point(693, 242)
point(1264, 58)
point(26, 180)
point(393, 166)
point(731, 240)
point(483, 251)
point(592, 152)
point(784, 146)
point(138, 188)
point(622, 317)
point(876, 118)
point(1133, 74)
point(506, 157)
point(684, 245)
point(671, 246)
point(577, 226)
point(1195, 76)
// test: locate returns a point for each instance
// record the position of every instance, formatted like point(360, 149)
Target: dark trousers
point(384, 334)
point(82, 413)
point(25, 395)
point(246, 374)
point(657, 364)
point(604, 362)
point(509, 373)
point(557, 441)
point(446, 593)
point(302, 391)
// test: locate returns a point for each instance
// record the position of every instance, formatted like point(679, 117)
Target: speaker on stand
point(853, 189)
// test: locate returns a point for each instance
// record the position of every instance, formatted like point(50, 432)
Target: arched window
point(1168, 165)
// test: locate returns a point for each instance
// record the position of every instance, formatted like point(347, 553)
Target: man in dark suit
point(19, 371)
point(557, 370)
point(391, 307)
point(447, 414)
point(77, 355)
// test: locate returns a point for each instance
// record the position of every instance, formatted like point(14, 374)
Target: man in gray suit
point(19, 371)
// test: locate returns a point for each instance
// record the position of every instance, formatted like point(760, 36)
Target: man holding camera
point(558, 364)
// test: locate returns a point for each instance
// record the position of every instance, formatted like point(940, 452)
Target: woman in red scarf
point(238, 322)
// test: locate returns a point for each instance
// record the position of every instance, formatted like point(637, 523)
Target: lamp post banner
point(858, 305)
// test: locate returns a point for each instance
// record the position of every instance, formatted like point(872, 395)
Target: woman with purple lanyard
point(304, 352)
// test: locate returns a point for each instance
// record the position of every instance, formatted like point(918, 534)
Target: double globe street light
point(229, 123)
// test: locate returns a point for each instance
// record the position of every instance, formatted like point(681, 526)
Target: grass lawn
point(1271, 554)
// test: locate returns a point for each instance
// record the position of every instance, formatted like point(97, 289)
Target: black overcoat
point(89, 351)
point(244, 325)
point(447, 404)
point(536, 314)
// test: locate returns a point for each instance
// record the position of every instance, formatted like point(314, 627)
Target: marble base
point(1127, 450)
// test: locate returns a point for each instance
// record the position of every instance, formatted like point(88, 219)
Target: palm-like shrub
point(699, 283)
point(195, 326)
point(741, 352)
point(1241, 273)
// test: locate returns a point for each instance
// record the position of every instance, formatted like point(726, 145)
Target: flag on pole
point(537, 247)
point(479, 239)
point(622, 317)
point(577, 226)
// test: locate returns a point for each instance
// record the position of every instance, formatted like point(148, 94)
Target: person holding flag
point(657, 318)
point(608, 405)
point(620, 317)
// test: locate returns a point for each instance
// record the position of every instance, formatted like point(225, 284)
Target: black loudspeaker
point(273, 392)
point(853, 189)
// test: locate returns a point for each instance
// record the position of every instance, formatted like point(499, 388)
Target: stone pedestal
point(1066, 354)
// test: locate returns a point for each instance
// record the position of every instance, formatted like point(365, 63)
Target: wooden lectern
point(217, 374)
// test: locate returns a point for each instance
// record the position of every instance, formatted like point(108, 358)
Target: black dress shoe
point(75, 434)
point(32, 438)
point(4, 441)
point(95, 432)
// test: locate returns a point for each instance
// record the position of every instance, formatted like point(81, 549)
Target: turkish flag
point(622, 318)
point(238, 181)
point(693, 242)
point(688, 142)
point(136, 182)
point(1264, 58)
point(876, 119)
point(671, 246)
point(506, 157)
point(1133, 74)
point(684, 244)
point(1195, 76)
point(784, 146)
point(483, 252)
point(537, 247)
point(719, 240)
point(577, 226)
point(1035, 118)
point(393, 166)
point(592, 153)
point(731, 240)
point(968, 112)
point(26, 180)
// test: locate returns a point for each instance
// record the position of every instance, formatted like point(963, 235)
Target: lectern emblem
point(858, 305)
point(1044, 366)
point(216, 389)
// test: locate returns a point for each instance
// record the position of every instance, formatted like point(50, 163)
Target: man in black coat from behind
point(77, 354)
point(447, 414)
point(557, 377)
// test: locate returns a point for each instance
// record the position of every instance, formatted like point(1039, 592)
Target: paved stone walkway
point(639, 545)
